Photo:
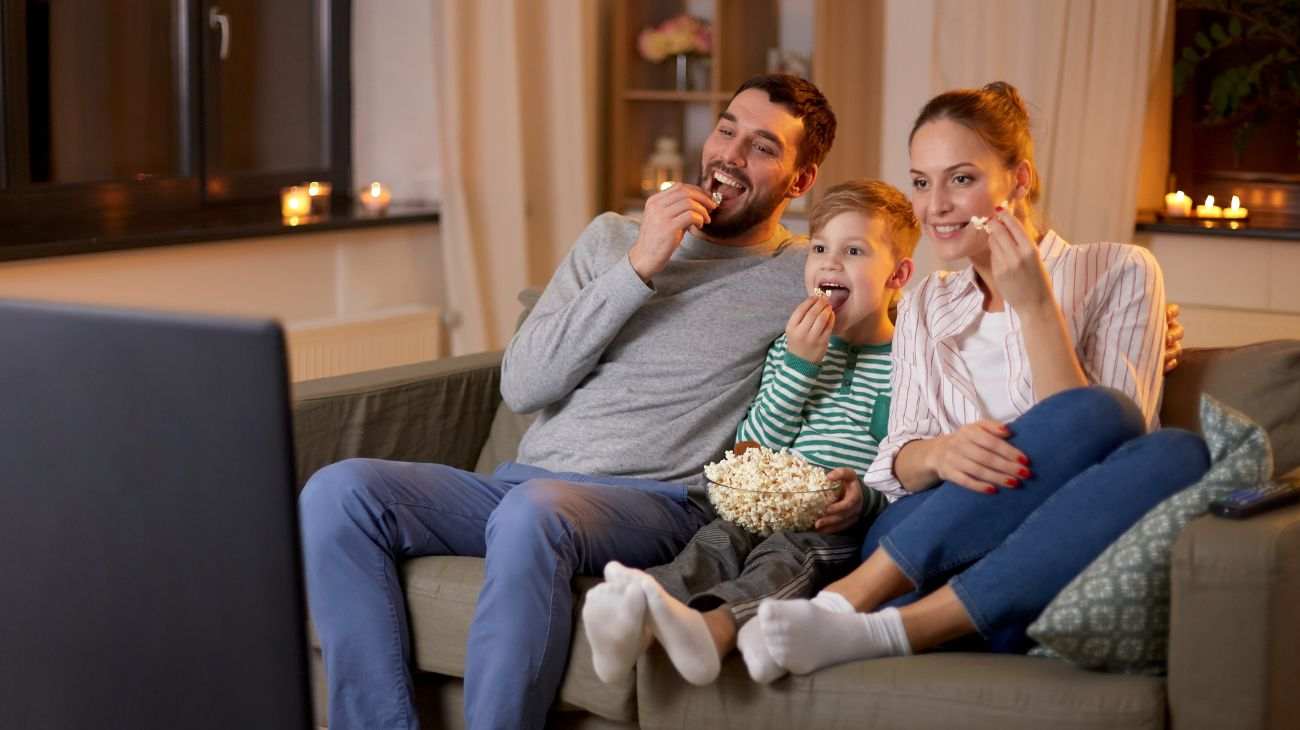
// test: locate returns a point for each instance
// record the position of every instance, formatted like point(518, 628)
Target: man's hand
point(978, 457)
point(808, 333)
point(668, 215)
point(1173, 337)
point(844, 512)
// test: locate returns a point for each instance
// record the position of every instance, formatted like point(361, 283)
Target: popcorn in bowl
point(766, 491)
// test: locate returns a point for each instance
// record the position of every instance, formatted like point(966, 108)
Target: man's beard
point(737, 222)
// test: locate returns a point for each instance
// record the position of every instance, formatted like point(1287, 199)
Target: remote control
point(1247, 502)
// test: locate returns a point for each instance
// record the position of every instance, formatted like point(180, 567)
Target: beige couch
point(1234, 643)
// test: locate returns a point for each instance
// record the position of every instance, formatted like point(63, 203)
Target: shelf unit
point(644, 103)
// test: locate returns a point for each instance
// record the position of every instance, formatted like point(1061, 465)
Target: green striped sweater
point(833, 414)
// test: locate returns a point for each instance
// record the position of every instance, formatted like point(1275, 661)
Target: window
point(115, 109)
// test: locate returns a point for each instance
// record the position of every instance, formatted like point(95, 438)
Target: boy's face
point(749, 159)
point(851, 260)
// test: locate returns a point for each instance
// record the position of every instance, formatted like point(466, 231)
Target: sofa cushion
point(441, 593)
point(942, 690)
point(1260, 380)
point(1115, 614)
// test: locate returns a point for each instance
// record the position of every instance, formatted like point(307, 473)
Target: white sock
point(683, 633)
point(614, 619)
point(805, 636)
point(758, 660)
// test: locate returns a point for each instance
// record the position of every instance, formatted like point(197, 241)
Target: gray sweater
point(640, 382)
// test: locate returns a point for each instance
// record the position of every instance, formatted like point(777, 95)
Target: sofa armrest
point(1234, 636)
point(439, 411)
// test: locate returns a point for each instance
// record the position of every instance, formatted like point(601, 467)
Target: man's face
point(749, 159)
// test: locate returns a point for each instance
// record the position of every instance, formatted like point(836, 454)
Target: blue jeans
point(537, 529)
point(1006, 556)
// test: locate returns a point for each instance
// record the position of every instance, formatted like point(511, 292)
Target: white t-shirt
point(982, 347)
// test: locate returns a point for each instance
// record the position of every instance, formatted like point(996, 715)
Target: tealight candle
point(375, 198)
point(1178, 205)
point(295, 202)
point(320, 196)
point(1209, 210)
point(1235, 211)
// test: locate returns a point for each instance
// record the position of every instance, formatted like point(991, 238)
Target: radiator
point(320, 349)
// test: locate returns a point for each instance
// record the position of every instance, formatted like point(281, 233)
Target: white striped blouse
point(1113, 299)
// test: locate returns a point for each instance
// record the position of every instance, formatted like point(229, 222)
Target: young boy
point(824, 394)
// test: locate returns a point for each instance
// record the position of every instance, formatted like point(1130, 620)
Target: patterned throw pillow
point(1114, 616)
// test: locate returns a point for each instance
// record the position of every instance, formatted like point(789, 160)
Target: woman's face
point(956, 175)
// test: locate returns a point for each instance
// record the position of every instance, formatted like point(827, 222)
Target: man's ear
point(803, 181)
point(902, 274)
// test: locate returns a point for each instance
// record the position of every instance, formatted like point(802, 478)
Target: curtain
point(517, 100)
point(1086, 68)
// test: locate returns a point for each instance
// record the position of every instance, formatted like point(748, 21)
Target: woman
point(1061, 343)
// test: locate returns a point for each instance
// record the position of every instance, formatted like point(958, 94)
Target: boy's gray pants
point(725, 564)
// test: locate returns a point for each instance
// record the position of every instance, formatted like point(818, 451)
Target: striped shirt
point(833, 413)
point(1113, 299)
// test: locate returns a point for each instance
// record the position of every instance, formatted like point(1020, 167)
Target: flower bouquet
point(682, 37)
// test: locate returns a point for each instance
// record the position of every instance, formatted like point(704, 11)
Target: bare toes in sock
point(613, 617)
point(683, 633)
point(758, 660)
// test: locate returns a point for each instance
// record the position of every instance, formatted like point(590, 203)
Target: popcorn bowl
point(764, 511)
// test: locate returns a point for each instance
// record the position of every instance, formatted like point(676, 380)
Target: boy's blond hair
point(874, 199)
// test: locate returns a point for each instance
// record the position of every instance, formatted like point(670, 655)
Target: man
point(641, 357)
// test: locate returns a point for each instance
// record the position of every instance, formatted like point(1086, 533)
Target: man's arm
point(581, 311)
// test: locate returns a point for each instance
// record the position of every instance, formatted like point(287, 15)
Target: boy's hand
point(844, 512)
point(808, 333)
point(667, 216)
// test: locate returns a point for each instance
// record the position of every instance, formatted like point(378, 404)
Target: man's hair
point(874, 199)
point(805, 102)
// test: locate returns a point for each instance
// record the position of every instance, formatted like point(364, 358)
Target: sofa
point(1234, 644)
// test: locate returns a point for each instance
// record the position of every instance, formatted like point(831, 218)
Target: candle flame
point(375, 189)
point(313, 188)
point(1209, 200)
point(1236, 202)
point(1179, 196)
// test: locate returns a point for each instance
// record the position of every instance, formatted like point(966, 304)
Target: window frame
point(22, 202)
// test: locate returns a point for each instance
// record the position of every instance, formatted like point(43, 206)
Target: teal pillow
point(1114, 616)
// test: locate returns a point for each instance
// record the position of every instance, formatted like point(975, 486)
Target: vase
point(692, 72)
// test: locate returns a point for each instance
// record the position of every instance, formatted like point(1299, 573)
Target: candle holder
point(375, 198)
point(319, 192)
point(295, 204)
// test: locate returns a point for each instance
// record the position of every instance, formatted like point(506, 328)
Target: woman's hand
point(1018, 271)
point(978, 457)
point(844, 512)
point(808, 333)
point(1173, 337)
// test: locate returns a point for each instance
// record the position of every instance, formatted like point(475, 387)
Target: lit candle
point(375, 198)
point(320, 197)
point(1236, 211)
point(295, 202)
point(1209, 210)
point(1177, 205)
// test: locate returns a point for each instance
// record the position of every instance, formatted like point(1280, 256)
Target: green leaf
point(1204, 42)
point(1234, 27)
point(1182, 74)
point(1220, 37)
point(1190, 55)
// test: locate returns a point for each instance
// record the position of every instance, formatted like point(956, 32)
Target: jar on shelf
point(662, 168)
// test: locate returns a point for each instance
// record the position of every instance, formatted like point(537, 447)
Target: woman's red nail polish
point(990, 490)
point(998, 209)
point(1024, 473)
point(1023, 460)
point(1013, 482)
